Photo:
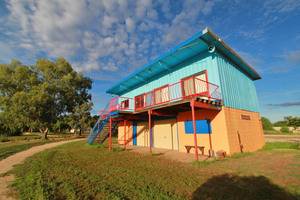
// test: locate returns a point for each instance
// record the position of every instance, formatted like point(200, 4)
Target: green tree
point(292, 121)
point(62, 123)
point(81, 117)
point(280, 124)
point(36, 95)
point(94, 120)
point(266, 123)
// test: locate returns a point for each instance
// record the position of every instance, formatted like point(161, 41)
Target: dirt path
point(18, 158)
point(282, 138)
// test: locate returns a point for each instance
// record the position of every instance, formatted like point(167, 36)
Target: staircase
point(101, 128)
point(104, 133)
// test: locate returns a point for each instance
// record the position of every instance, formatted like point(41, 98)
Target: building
point(201, 93)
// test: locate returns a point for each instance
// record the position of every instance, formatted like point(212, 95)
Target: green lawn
point(8, 149)
point(79, 171)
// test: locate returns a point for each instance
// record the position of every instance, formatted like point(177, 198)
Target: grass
point(280, 145)
point(19, 138)
point(78, 171)
point(8, 149)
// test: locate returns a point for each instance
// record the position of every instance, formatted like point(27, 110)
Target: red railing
point(185, 88)
point(120, 103)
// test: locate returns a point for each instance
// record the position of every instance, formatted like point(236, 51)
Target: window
point(245, 117)
point(195, 84)
point(125, 104)
point(161, 94)
point(140, 101)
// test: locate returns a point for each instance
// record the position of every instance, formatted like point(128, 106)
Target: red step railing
point(120, 103)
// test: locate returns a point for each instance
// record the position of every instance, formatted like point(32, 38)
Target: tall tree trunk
point(80, 132)
point(44, 133)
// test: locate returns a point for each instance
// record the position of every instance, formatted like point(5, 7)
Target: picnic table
point(189, 147)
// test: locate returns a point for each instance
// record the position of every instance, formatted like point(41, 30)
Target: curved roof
point(191, 47)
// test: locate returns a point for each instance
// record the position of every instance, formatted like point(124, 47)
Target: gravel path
point(18, 158)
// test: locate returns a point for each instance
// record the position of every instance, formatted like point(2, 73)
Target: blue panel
point(238, 89)
point(134, 132)
point(202, 126)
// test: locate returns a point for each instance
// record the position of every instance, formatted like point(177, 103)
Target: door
point(142, 134)
point(165, 134)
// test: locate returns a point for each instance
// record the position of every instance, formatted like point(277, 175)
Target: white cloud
point(293, 57)
point(253, 61)
point(130, 25)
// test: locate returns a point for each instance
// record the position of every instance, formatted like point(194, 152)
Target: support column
point(150, 129)
point(109, 139)
point(194, 127)
point(210, 141)
point(125, 133)
point(99, 133)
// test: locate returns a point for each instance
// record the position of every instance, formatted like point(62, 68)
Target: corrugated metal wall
point(194, 65)
point(238, 89)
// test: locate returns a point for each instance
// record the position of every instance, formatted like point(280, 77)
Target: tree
point(292, 121)
point(81, 117)
point(94, 120)
point(266, 123)
point(62, 123)
point(7, 130)
point(280, 124)
point(37, 95)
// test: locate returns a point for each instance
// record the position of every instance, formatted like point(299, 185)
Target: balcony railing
point(185, 88)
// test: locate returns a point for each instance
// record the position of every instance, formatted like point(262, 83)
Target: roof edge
point(207, 30)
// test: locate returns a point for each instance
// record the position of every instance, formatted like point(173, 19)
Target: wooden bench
point(189, 147)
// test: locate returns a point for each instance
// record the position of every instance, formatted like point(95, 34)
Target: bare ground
point(18, 158)
point(282, 138)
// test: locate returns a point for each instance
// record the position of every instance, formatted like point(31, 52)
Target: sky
point(108, 40)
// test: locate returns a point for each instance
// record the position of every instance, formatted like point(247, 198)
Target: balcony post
point(207, 85)
point(125, 133)
point(192, 103)
point(150, 130)
point(109, 139)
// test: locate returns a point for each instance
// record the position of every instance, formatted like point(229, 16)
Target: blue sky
point(108, 40)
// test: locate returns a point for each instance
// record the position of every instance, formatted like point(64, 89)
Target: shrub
point(266, 123)
point(4, 140)
point(285, 129)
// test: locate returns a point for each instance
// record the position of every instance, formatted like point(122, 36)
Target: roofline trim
point(207, 30)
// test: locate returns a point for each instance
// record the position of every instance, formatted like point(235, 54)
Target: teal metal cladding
point(198, 63)
point(238, 89)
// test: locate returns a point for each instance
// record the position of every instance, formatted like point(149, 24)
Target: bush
point(4, 140)
point(266, 123)
point(285, 129)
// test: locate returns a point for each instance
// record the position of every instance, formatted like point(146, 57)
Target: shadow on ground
point(234, 187)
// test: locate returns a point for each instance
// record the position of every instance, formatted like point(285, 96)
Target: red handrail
point(186, 88)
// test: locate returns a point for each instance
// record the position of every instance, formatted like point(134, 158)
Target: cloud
point(292, 57)
point(251, 60)
point(281, 6)
point(92, 35)
point(286, 104)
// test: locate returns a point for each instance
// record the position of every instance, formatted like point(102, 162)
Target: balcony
point(184, 89)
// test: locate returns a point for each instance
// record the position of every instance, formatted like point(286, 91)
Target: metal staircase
point(104, 133)
point(101, 128)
